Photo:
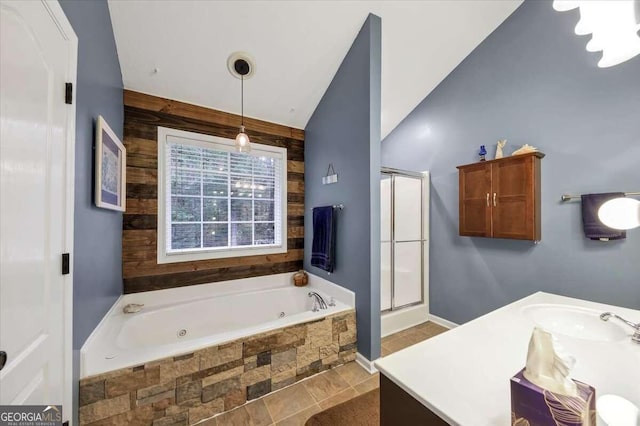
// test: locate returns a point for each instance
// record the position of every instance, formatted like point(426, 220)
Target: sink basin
point(575, 322)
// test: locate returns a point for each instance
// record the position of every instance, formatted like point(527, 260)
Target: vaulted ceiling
point(297, 45)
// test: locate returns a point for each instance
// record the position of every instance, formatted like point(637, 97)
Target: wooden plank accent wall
point(142, 116)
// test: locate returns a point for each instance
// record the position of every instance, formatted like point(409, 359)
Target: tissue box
point(532, 405)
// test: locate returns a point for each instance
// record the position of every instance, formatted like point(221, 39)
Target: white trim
point(224, 144)
point(365, 363)
point(56, 12)
point(443, 322)
point(426, 207)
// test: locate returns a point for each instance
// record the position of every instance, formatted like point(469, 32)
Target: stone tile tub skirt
point(187, 388)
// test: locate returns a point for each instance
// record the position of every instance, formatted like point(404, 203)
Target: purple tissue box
point(532, 405)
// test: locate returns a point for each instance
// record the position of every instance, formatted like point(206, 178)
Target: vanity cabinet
point(501, 198)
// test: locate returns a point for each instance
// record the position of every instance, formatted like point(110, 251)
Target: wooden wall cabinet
point(501, 198)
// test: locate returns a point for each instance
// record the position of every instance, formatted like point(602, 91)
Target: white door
point(37, 57)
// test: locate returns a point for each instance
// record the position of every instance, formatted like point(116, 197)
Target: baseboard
point(365, 363)
point(441, 321)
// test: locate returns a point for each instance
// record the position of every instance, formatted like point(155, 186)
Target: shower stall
point(404, 201)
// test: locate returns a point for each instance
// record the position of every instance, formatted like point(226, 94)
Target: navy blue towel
point(593, 227)
point(324, 238)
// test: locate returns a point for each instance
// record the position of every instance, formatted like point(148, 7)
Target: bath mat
point(363, 410)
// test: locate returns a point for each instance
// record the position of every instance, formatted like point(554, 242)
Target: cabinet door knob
point(494, 199)
point(487, 199)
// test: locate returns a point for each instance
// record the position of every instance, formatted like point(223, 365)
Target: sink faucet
point(636, 336)
point(319, 301)
point(132, 308)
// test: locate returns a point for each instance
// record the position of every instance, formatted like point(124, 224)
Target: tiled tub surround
point(188, 388)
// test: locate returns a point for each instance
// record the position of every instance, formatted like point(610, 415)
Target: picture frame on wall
point(110, 168)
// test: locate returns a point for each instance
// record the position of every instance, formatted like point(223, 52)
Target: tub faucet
point(636, 336)
point(132, 308)
point(319, 301)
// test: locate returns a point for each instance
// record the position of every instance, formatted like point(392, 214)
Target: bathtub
point(178, 321)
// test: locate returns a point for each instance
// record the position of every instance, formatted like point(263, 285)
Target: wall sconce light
point(613, 25)
point(620, 213)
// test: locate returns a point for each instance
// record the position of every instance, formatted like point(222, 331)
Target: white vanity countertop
point(463, 375)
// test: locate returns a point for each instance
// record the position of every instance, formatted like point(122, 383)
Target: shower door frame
point(423, 199)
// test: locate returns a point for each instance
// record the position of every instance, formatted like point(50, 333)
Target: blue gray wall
point(531, 81)
point(97, 253)
point(345, 131)
point(97, 272)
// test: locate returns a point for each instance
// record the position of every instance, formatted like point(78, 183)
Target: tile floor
point(292, 406)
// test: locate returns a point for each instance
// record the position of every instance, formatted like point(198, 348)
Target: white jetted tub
point(177, 321)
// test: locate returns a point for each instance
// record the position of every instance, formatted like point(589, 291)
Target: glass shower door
point(385, 236)
point(407, 240)
point(402, 240)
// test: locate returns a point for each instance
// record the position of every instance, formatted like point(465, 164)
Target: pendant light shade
point(243, 144)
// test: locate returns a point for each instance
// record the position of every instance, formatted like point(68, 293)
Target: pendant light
point(243, 144)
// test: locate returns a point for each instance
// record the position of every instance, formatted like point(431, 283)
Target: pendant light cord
point(242, 100)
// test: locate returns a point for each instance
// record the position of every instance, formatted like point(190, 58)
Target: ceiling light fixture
point(612, 24)
point(241, 66)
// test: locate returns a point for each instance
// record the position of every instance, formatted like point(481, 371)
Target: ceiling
point(297, 45)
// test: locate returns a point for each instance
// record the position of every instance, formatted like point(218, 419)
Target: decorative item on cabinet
point(501, 143)
point(501, 198)
point(482, 153)
point(525, 149)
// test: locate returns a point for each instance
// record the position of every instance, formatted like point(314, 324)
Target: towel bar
point(567, 197)
point(335, 206)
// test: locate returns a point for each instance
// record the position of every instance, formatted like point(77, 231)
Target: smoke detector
point(241, 64)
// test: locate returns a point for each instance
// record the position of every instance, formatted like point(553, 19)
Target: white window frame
point(222, 144)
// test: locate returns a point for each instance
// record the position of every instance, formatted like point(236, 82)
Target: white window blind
point(216, 199)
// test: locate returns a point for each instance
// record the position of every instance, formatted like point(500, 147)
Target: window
point(214, 202)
